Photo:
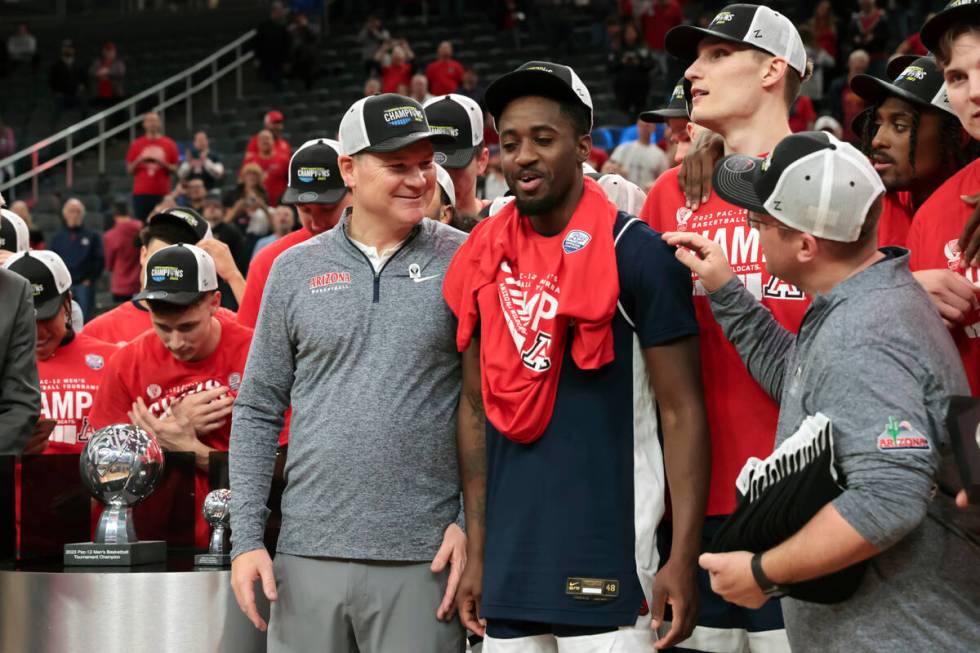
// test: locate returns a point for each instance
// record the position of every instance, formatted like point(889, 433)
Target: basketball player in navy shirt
point(570, 313)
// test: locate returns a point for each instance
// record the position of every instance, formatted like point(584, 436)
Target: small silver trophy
point(121, 466)
point(216, 514)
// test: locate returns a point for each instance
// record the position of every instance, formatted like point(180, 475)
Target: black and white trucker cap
point(552, 80)
point(461, 118)
point(385, 123)
point(48, 276)
point(755, 25)
point(14, 234)
point(811, 182)
point(314, 176)
point(179, 274)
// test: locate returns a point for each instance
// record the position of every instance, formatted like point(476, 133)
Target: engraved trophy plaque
point(121, 465)
point(216, 514)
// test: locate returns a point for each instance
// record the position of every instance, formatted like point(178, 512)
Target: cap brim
point(520, 83)
point(682, 41)
point(734, 180)
point(48, 309)
point(455, 158)
point(934, 28)
point(663, 115)
point(296, 196)
point(396, 143)
point(874, 90)
point(181, 298)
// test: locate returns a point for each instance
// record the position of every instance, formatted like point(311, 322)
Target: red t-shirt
point(146, 368)
point(933, 240)
point(394, 75)
point(276, 169)
point(444, 76)
point(122, 257)
point(802, 116)
point(69, 382)
point(660, 20)
point(896, 218)
point(281, 146)
point(150, 178)
point(741, 416)
point(128, 321)
point(258, 274)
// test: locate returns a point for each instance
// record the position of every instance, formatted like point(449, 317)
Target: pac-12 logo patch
point(235, 381)
point(94, 361)
point(575, 241)
point(153, 391)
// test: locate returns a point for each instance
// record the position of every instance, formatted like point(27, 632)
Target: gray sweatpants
point(342, 606)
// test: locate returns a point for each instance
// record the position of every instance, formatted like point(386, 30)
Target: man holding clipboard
point(872, 355)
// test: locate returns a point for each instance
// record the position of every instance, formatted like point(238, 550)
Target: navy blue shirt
point(560, 511)
point(81, 250)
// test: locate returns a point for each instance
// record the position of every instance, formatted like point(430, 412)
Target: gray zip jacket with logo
point(368, 362)
point(873, 355)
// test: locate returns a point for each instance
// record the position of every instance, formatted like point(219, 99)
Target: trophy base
point(92, 554)
point(212, 560)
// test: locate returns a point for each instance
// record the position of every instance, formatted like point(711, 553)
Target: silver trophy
point(121, 466)
point(216, 514)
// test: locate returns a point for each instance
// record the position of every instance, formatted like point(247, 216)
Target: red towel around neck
point(525, 291)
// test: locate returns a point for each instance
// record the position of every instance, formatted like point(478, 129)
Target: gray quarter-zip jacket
point(873, 355)
point(368, 362)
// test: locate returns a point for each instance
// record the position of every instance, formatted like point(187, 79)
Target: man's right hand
point(245, 570)
point(469, 596)
point(951, 293)
point(703, 257)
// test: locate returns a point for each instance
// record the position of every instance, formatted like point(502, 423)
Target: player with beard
point(560, 298)
point(745, 72)
point(913, 138)
point(317, 190)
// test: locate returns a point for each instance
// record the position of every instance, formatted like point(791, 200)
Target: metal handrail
point(129, 105)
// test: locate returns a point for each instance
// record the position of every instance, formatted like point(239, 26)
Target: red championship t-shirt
point(149, 177)
point(896, 218)
point(128, 321)
point(258, 274)
point(146, 368)
point(741, 416)
point(69, 383)
point(933, 240)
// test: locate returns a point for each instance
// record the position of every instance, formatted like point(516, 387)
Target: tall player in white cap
point(745, 71)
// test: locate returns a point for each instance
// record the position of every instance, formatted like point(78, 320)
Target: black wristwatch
point(768, 587)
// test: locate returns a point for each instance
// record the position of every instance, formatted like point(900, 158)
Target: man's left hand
point(732, 579)
point(969, 242)
point(453, 553)
point(674, 584)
